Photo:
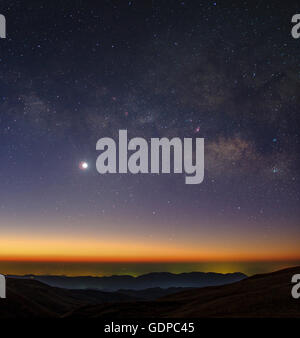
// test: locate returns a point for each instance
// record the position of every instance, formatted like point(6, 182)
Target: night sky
point(72, 72)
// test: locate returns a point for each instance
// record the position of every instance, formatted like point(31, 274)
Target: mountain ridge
point(263, 295)
point(150, 280)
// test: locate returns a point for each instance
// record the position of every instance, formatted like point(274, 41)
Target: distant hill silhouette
point(150, 280)
point(266, 295)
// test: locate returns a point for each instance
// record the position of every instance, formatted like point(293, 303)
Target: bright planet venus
point(83, 165)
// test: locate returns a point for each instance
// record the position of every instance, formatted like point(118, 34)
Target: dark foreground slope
point(266, 295)
point(29, 298)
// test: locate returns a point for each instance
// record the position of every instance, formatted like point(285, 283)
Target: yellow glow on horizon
point(51, 248)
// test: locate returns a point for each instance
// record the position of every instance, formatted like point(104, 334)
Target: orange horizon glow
point(145, 260)
point(51, 248)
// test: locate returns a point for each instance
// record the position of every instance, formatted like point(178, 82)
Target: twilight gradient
point(74, 72)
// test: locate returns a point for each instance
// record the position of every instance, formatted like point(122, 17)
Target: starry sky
point(72, 72)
